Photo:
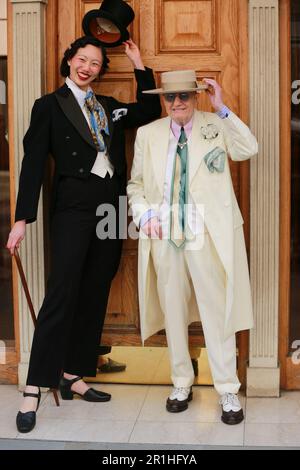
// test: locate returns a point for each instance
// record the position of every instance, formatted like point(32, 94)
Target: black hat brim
point(93, 14)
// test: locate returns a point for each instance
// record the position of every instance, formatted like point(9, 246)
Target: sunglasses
point(184, 96)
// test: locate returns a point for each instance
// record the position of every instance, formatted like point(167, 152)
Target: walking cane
point(30, 304)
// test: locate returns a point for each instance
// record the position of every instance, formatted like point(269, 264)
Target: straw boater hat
point(178, 81)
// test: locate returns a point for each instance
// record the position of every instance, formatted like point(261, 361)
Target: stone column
point(28, 29)
point(263, 372)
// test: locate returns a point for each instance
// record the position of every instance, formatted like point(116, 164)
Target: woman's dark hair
point(72, 50)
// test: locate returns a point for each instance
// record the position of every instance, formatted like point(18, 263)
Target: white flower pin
point(210, 131)
point(119, 113)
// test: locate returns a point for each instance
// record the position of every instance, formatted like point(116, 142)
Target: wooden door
point(209, 36)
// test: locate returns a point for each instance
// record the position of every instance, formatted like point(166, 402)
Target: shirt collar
point(77, 92)
point(176, 128)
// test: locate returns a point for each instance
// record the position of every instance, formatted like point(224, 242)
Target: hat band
point(167, 87)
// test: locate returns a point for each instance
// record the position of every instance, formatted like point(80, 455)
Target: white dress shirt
point(102, 165)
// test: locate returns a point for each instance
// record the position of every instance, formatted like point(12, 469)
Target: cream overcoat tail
point(222, 216)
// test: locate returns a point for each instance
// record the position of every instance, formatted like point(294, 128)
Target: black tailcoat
point(59, 127)
point(71, 318)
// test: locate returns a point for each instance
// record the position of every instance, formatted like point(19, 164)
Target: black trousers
point(102, 350)
point(83, 266)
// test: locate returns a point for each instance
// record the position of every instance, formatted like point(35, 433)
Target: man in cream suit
point(192, 257)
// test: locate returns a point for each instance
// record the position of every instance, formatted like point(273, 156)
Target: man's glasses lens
point(170, 97)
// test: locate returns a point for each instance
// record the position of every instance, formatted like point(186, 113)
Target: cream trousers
point(181, 273)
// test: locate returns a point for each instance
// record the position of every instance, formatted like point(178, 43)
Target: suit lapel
point(72, 111)
point(198, 146)
point(159, 151)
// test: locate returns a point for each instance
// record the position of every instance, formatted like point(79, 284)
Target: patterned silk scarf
point(98, 120)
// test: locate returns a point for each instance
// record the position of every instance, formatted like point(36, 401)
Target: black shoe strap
point(33, 395)
point(73, 381)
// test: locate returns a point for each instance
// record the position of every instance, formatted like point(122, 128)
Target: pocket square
point(118, 113)
point(215, 160)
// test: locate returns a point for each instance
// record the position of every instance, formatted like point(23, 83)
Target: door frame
point(290, 377)
point(244, 83)
point(52, 81)
point(9, 370)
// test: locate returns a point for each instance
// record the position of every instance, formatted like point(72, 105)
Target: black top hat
point(109, 23)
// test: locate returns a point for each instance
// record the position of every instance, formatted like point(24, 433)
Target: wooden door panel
point(202, 35)
point(178, 25)
point(121, 87)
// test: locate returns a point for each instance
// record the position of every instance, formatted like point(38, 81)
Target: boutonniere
point(117, 114)
point(210, 131)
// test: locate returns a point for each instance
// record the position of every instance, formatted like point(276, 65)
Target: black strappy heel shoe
point(26, 421)
point(90, 395)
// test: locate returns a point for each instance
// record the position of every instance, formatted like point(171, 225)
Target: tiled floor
point(136, 415)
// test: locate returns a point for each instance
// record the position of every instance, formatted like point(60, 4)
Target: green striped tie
point(179, 193)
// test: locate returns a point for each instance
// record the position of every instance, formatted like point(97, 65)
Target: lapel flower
point(210, 131)
point(117, 114)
